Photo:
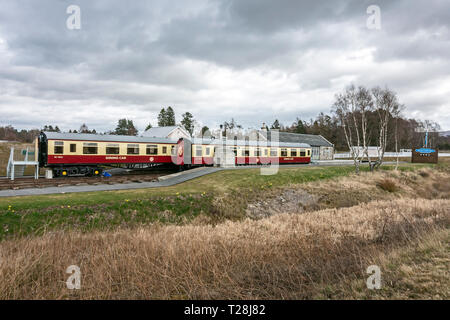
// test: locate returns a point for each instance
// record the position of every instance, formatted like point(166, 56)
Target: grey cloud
point(217, 59)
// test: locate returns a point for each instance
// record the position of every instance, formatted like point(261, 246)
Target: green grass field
point(218, 196)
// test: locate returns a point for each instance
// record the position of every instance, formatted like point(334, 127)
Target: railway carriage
point(202, 151)
point(71, 154)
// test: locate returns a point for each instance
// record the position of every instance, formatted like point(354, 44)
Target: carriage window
point(59, 147)
point(246, 153)
point(266, 152)
point(172, 150)
point(257, 152)
point(309, 153)
point(284, 152)
point(152, 149)
point(132, 149)
point(112, 148)
point(293, 152)
point(273, 152)
point(164, 150)
point(235, 151)
point(73, 147)
point(90, 148)
point(302, 153)
point(207, 152)
point(198, 151)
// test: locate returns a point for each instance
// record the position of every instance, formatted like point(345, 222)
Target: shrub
point(387, 185)
point(424, 174)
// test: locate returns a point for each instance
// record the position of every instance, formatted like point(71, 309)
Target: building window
point(90, 148)
point(73, 147)
point(132, 149)
point(112, 148)
point(198, 151)
point(302, 153)
point(293, 152)
point(284, 152)
point(152, 149)
point(59, 147)
point(164, 150)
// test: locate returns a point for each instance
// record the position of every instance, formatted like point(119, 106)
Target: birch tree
point(351, 108)
point(386, 104)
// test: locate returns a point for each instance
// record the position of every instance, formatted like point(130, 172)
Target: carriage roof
point(105, 138)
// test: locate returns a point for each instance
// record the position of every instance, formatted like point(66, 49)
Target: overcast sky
point(254, 60)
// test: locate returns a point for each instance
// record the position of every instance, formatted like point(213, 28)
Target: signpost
point(425, 154)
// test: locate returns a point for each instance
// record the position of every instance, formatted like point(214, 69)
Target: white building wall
point(177, 134)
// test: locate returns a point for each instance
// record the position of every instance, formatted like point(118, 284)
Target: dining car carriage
point(71, 154)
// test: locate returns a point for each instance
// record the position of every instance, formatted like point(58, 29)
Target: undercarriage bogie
point(77, 171)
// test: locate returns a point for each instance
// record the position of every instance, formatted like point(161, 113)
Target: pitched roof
point(311, 139)
point(162, 132)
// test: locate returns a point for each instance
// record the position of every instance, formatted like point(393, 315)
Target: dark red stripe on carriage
point(271, 160)
point(108, 159)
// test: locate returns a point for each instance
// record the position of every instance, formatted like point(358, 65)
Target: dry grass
point(425, 183)
point(387, 185)
point(419, 271)
point(286, 256)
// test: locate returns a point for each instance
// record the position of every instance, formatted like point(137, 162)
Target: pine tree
point(204, 130)
point(162, 118)
point(299, 127)
point(188, 122)
point(125, 127)
point(170, 117)
point(84, 129)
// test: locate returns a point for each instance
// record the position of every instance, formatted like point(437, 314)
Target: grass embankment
point(215, 197)
point(322, 254)
point(192, 241)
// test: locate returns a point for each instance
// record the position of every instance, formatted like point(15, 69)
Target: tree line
point(357, 113)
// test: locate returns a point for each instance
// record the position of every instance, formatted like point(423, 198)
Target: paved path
point(164, 181)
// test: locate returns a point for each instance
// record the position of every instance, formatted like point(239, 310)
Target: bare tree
point(364, 105)
point(386, 104)
point(396, 115)
point(351, 108)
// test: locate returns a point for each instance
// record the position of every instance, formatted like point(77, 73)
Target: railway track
point(26, 183)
